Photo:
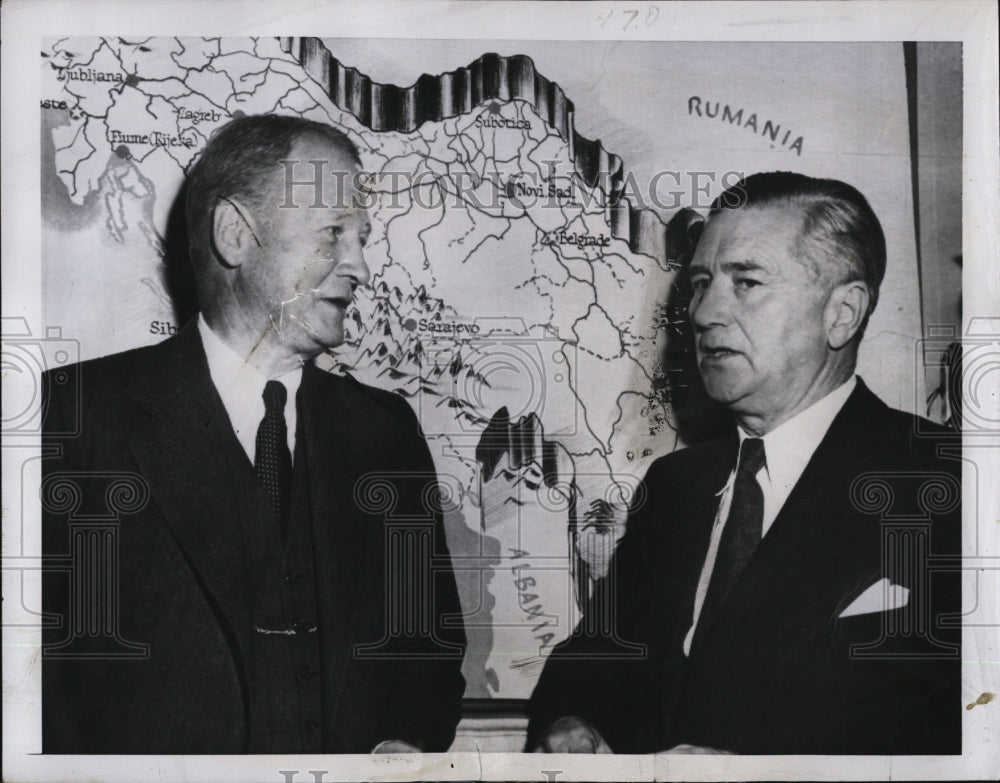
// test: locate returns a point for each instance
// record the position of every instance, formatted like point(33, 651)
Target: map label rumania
point(769, 130)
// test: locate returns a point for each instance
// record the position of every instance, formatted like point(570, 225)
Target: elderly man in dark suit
point(243, 591)
point(778, 583)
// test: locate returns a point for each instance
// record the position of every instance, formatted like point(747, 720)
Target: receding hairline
point(332, 136)
point(277, 170)
point(806, 246)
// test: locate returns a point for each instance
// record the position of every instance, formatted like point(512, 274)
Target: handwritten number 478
point(631, 17)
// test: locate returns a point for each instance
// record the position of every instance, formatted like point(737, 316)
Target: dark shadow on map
point(484, 551)
point(58, 209)
point(178, 275)
point(696, 416)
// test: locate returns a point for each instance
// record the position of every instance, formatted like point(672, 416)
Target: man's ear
point(233, 233)
point(846, 308)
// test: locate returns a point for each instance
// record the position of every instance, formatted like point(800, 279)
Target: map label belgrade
point(579, 241)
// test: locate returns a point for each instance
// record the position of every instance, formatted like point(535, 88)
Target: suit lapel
point(198, 474)
point(691, 522)
point(691, 507)
point(817, 551)
point(813, 540)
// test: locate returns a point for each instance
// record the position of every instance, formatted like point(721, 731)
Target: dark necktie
point(740, 536)
point(273, 463)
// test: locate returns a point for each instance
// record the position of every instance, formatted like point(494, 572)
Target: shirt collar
point(241, 387)
point(789, 447)
point(230, 372)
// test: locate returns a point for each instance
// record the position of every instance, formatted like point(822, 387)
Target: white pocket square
point(882, 596)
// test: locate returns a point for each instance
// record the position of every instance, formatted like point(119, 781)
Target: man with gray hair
point(779, 579)
point(256, 579)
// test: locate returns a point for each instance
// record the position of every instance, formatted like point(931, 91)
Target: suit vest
point(284, 676)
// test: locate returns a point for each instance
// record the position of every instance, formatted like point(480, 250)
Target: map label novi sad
point(155, 139)
point(527, 187)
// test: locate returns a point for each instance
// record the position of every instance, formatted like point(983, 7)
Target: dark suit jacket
point(780, 671)
point(184, 583)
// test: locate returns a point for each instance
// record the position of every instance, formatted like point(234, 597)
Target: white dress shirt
point(787, 450)
point(241, 388)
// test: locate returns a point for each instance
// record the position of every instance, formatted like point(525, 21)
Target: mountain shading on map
point(523, 444)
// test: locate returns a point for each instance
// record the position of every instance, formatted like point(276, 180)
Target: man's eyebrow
point(336, 220)
point(747, 265)
point(729, 267)
point(339, 221)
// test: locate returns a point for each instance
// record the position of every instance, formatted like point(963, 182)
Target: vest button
point(290, 576)
point(306, 672)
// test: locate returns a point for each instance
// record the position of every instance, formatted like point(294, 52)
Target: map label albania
point(519, 302)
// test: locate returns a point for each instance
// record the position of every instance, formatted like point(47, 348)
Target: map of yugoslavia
point(517, 300)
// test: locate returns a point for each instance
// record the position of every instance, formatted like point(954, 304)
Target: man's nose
point(709, 306)
point(352, 264)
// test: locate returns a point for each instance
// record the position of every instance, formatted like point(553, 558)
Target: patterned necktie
point(273, 463)
point(740, 536)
